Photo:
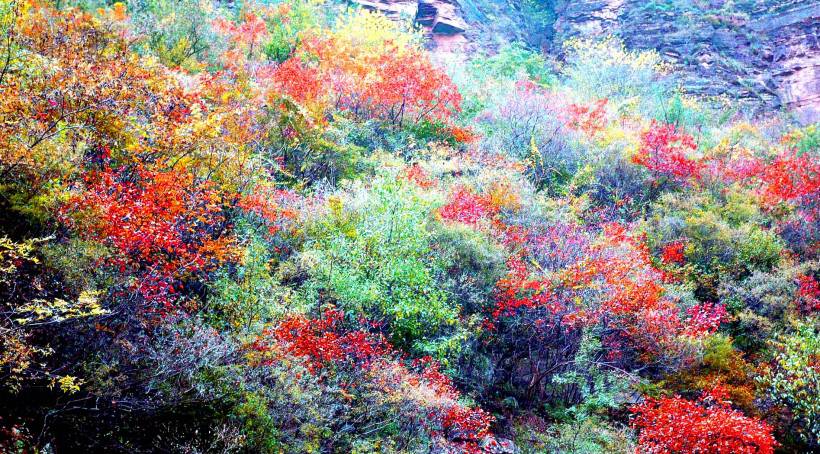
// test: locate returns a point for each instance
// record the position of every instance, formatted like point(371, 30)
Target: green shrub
point(631, 80)
point(372, 254)
point(794, 380)
point(251, 296)
point(514, 61)
point(178, 32)
point(584, 435)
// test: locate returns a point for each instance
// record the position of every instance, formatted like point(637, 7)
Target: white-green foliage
point(794, 382)
point(583, 435)
point(178, 31)
point(601, 388)
point(631, 80)
point(372, 256)
point(485, 80)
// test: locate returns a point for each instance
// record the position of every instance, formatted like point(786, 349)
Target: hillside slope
point(765, 54)
point(290, 227)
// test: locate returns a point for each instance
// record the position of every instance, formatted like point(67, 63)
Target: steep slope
point(755, 54)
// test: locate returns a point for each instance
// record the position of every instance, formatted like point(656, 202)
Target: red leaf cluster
point(274, 207)
point(389, 83)
point(467, 207)
point(588, 119)
point(366, 359)
point(709, 425)
point(161, 225)
point(667, 151)
point(418, 176)
point(612, 282)
point(808, 294)
point(704, 318)
point(322, 341)
point(789, 177)
point(672, 253)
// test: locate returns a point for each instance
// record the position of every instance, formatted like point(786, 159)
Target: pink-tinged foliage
point(742, 168)
point(275, 208)
point(704, 318)
point(329, 348)
point(589, 119)
point(611, 281)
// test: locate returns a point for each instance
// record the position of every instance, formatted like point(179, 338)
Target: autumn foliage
point(675, 424)
point(373, 75)
point(162, 226)
point(303, 226)
point(328, 348)
point(668, 152)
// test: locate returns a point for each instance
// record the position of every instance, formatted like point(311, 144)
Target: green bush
point(373, 257)
point(178, 32)
point(585, 435)
point(632, 80)
point(251, 296)
point(794, 380)
point(514, 61)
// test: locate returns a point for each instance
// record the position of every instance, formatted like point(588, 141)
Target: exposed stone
point(762, 55)
point(448, 26)
point(394, 9)
point(442, 15)
point(436, 16)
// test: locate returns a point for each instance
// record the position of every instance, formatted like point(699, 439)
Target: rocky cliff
point(441, 20)
point(763, 54)
point(759, 54)
point(467, 26)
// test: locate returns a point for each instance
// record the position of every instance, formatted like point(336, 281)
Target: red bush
point(709, 425)
point(365, 360)
point(161, 226)
point(667, 151)
point(789, 177)
point(467, 207)
point(322, 341)
point(672, 253)
point(808, 294)
point(588, 119)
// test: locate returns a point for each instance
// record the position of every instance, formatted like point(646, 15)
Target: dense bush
point(708, 425)
point(286, 227)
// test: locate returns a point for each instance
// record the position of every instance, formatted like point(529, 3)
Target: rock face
point(762, 54)
point(587, 17)
point(442, 16)
point(758, 54)
point(794, 58)
point(437, 17)
point(394, 9)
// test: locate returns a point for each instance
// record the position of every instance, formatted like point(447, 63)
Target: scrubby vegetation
point(283, 227)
